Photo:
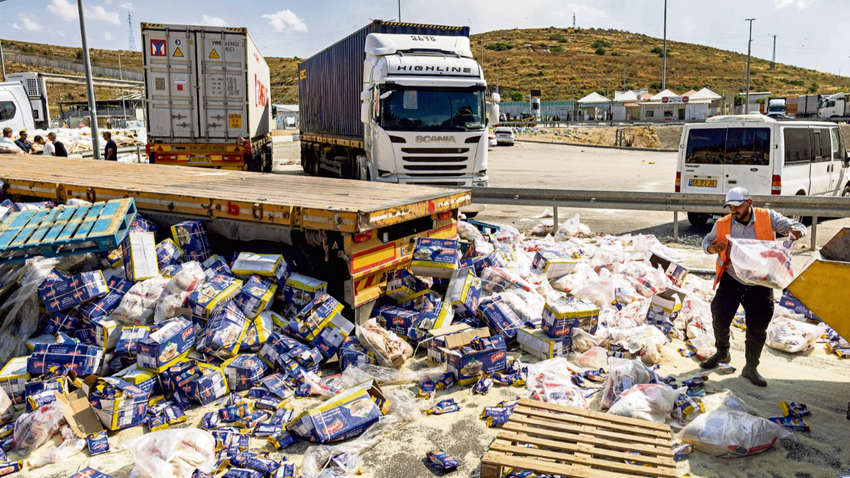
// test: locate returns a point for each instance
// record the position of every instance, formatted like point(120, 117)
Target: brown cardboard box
point(79, 413)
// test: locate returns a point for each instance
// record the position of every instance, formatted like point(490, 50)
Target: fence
point(808, 206)
point(75, 65)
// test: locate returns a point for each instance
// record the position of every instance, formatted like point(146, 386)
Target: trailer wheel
point(697, 219)
point(268, 159)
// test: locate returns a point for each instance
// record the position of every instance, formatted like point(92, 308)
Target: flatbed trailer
point(348, 233)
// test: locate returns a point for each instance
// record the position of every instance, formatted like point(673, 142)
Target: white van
point(761, 154)
point(15, 109)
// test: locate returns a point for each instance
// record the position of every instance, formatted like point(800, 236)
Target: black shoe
point(753, 376)
point(719, 357)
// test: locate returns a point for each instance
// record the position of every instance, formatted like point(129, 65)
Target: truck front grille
point(435, 150)
point(434, 159)
point(426, 167)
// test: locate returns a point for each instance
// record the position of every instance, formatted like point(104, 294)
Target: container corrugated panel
point(204, 84)
point(330, 81)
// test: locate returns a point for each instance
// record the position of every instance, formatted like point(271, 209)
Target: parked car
point(491, 141)
point(505, 136)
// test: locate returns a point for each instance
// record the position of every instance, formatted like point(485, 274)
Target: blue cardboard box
point(210, 386)
point(537, 343)
point(191, 237)
point(420, 300)
point(273, 266)
point(89, 472)
point(224, 332)
point(255, 296)
point(434, 257)
point(463, 292)
point(215, 266)
point(118, 404)
point(243, 371)
point(479, 263)
point(84, 360)
point(467, 364)
point(300, 289)
point(66, 291)
point(166, 346)
point(168, 253)
point(553, 263)
point(499, 317)
point(129, 336)
point(401, 283)
point(351, 352)
point(347, 415)
point(310, 320)
point(788, 301)
point(65, 322)
point(561, 316)
point(259, 330)
point(397, 319)
point(212, 293)
point(105, 305)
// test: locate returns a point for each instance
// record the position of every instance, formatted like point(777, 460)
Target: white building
point(669, 106)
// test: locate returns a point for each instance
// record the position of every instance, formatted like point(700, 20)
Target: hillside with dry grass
point(543, 58)
point(590, 59)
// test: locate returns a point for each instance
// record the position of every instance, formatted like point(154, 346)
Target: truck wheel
point(697, 219)
point(268, 160)
point(846, 192)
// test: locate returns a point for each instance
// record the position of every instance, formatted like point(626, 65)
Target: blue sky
point(810, 33)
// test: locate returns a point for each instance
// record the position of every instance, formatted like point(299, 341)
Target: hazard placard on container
point(213, 54)
point(235, 121)
point(178, 53)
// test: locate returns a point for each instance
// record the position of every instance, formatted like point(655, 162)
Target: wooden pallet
point(65, 230)
point(584, 443)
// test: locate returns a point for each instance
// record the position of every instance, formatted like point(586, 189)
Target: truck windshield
point(409, 109)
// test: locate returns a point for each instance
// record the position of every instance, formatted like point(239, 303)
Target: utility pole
point(89, 85)
point(664, 61)
point(749, 54)
point(773, 63)
point(399, 11)
point(624, 73)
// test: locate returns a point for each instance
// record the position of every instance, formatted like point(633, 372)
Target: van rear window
point(797, 145)
point(749, 146)
point(7, 110)
point(706, 146)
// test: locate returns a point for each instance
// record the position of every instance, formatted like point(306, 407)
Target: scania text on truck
point(396, 102)
point(207, 98)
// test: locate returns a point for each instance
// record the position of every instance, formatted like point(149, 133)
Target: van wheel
point(697, 219)
point(846, 192)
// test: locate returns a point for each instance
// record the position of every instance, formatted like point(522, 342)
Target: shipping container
point(204, 84)
point(330, 81)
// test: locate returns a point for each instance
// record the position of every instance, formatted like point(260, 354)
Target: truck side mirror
point(365, 95)
point(365, 112)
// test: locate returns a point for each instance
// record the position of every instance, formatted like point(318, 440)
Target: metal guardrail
point(813, 206)
point(76, 65)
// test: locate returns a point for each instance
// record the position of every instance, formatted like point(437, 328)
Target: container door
point(170, 84)
point(705, 149)
point(224, 94)
point(747, 162)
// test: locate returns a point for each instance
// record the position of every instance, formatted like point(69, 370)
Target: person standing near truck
point(746, 222)
point(111, 149)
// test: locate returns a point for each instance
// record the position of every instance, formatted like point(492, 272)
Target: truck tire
point(697, 219)
point(268, 159)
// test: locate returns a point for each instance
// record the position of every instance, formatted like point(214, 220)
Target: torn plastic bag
point(726, 400)
point(508, 234)
point(703, 346)
point(728, 434)
point(793, 336)
point(7, 409)
point(649, 401)
point(571, 228)
point(174, 453)
point(137, 305)
point(174, 294)
point(594, 358)
point(648, 244)
point(698, 314)
point(497, 279)
point(633, 314)
point(345, 459)
point(527, 305)
point(600, 292)
point(622, 375)
point(611, 244)
point(70, 446)
point(765, 263)
point(357, 374)
point(605, 260)
point(582, 275)
point(644, 341)
point(551, 381)
point(583, 341)
point(467, 231)
point(389, 349)
point(33, 429)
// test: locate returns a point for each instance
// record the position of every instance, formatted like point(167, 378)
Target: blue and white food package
point(553, 263)
point(434, 257)
point(191, 237)
point(300, 289)
point(256, 295)
point(537, 343)
point(140, 259)
point(463, 292)
point(561, 316)
point(273, 266)
point(224, 332)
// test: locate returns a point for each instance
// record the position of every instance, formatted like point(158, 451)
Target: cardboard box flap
point(458, 340)
point(79, 413)
point(671, 294)
point(451, 329)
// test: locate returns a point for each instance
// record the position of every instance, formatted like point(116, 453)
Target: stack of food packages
point(164, 324)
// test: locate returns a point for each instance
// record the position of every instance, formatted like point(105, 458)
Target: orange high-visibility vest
point(764, 232)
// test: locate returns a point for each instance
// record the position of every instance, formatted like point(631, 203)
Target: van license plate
point(702, 183)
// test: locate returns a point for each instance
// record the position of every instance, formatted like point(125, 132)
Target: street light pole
point(749, 53)
point(399, 11)
point(664, 61)
point(89, 85)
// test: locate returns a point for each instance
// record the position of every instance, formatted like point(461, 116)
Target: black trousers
point(758, 309)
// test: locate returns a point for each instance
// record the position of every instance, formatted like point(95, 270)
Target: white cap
point(736, 197)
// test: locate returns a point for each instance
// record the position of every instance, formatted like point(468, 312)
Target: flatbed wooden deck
point(295, 201)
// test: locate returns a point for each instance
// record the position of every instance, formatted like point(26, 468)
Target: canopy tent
point(663, 94)
point(689, 93)
point(705, 94)
point(628, 96)
point(593, 98)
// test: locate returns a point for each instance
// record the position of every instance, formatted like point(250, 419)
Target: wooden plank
point(28, 230)
point(575, 437)
point(545, 418)
point(87, 224)
point(59, 224)
point(73, 224)
point(539, 466)
point(585, 446)
point(592, 414)
point(46, 223)
point(575, 460)
point(12, 226)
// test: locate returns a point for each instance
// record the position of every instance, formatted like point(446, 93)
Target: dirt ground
point(661, 137)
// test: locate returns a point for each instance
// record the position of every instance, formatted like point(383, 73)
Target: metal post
point(675, 226)
point(814, 233)
point(89, 85)
point(664, 67)
point(555, 217)
point(749, 53)
point(139, 151)
point(2, 61)
point(399, 11)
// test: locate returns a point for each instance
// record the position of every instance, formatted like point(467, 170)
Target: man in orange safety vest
point(746, 222)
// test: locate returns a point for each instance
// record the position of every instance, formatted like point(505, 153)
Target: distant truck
point(776, 107)
point(395, 102)
point(835, 107)
point(36, 91)
point(808, 105)
point(15, 109)
point(207, 98)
